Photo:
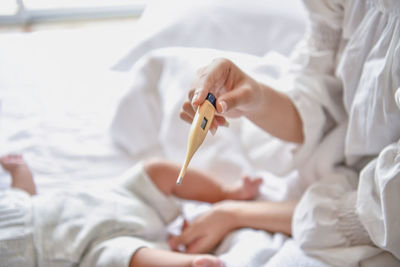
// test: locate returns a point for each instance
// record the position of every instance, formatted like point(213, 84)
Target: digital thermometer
point(198, 131)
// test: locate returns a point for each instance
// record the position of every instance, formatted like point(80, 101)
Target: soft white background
point(58, 93)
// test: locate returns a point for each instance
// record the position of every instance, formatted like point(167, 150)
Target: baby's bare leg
point(20, 174)
point(197, 185)
point(147, 257)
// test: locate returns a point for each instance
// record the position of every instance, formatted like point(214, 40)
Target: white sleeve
point(339, 213)
point(378, 199)
point(115, 252)
point(311, 82)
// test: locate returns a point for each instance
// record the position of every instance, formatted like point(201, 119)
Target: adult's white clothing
point(346, 86)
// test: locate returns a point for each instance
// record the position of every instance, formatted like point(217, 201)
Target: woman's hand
point(237, 93)
point(206, 231)
point(240, 95)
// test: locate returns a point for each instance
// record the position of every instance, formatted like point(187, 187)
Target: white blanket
point(148, 116)
point(147, 123)
point(148, 120)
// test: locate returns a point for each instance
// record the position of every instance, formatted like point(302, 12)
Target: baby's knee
point(153, 166)
point(163, 173)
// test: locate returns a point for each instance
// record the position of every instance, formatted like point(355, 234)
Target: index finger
point(210, 79)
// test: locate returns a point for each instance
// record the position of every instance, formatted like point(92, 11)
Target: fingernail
point(226, 124)
point(181, 248)
point(224, 106)
point(213, 130)
point(196, 95)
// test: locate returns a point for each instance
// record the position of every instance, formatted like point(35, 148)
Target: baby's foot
point(248, 190)
point(11, 163)
point(207, 261)
point(20, 174)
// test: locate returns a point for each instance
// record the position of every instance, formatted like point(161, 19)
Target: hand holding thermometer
point(198, 131)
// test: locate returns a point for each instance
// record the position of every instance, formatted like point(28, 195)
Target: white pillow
point(248, 26)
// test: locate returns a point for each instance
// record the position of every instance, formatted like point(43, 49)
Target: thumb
point(198, 246)
point(187, 236)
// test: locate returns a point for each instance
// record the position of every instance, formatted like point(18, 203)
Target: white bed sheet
point(57, 95)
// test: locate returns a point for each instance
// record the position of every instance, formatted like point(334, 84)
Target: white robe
point(345, 84)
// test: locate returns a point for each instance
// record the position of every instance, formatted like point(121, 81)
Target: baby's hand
point(206, 231)
point(171, 239)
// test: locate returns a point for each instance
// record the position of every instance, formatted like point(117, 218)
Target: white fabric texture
point(92, 227)
point(16, 233)
point(347, 73)
point(44, 121)
point(343, 81)
point(57, 93)
point(162, 80)
point(230, 25)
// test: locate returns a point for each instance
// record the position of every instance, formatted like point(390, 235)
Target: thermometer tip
point(179, 181)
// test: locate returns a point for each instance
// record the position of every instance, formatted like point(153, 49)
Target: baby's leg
point(197, 185)
point(20, 174)
point(147, 257)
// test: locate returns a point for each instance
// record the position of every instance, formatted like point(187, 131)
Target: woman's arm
point(238, 94)
point(207, 230)
point(263, 215)
point(277, 115)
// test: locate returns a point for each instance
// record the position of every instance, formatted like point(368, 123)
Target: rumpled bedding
point(79, 123)
point(172, 44)
point(147, 121)
point(57, 96)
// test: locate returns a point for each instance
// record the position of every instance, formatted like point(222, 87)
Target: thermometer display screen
point(203, 123)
